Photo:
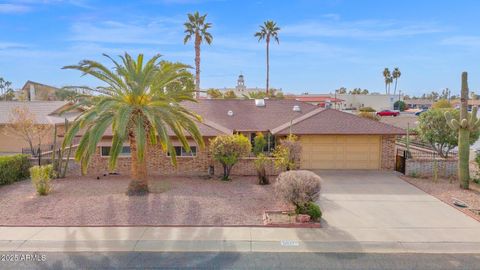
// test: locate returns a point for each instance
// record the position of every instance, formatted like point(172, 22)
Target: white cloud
point(11, 45)
point(465, 41)
point(159, 31)
point(366, 29)
point(14, 8)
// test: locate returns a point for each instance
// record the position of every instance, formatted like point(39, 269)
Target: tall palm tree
point(197, 27)
point(268, 30)
point(387, 75)
point(141, 102)
point(395, 75)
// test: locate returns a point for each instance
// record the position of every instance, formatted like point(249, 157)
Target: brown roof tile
point(247, 116)
point(329, 121)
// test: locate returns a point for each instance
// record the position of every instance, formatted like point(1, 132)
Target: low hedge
point(13, 168)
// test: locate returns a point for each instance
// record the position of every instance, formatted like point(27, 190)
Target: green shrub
point(228, 149)
point(41, 178)
point(311, 209)
point(13, 168)
point(259, 143)
point(367, 109)
point(400, 105)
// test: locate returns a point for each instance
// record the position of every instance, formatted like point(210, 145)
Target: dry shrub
point(298, 187)
point(369, 115)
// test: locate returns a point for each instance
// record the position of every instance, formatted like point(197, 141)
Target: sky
point(324, 44)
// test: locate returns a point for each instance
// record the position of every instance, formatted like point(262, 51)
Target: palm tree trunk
point(197, 66)
point(139, 183)
point(268, 65)
point(386, 91)
point(395, 89)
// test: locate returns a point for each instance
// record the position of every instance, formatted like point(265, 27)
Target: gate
point(400, 160)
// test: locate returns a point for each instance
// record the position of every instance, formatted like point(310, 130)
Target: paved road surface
point(151, 260)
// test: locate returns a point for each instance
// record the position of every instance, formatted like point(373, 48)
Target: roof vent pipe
point(230, 113)
point(260, 102)
point(296, 108)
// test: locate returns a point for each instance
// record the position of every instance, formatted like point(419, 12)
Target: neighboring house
point(324, 101)
point(33, 91)
point(348, 101)
point(419, 103)
point(45, 113)
point(331, 139)
point(471, 103)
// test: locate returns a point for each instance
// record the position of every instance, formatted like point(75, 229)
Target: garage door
point(340, 152)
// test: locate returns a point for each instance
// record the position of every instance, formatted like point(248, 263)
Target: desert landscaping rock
point(174, 201)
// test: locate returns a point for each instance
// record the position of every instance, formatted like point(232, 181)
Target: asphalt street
point(201, 260)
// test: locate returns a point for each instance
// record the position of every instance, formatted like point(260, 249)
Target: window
point(125, 151)
point(181, 152)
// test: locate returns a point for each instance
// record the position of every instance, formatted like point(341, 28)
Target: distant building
point(241, 89)
point(348, 101)
point(33, 91)
point(419, 103)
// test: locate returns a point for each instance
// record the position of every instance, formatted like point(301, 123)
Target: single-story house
point(419, 103)
point(330, 139)
point(44, 113)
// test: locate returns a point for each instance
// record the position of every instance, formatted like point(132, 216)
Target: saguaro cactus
point(468, 122)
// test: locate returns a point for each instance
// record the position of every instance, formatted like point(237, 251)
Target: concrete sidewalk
point(235, 239)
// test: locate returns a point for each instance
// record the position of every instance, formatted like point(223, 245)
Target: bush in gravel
point(311, 209)
point(367, 109)
point(298, 187)
point(228, 149)
point(41, 177)
point(369, 115)
point(13, 168)
point(260, 165)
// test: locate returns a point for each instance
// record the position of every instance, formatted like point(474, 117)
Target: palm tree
point(395, 75)
point(268, 30)
point(141, 102)
point(387, 75)
point(197, 27)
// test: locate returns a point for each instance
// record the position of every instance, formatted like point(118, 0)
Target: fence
point(426, 163)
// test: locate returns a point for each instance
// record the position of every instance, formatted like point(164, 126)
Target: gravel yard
point(173, 201)
point(445, 190)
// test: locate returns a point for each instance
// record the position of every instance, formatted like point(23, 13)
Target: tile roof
point(248, 117)
point(41, 109)
point(330, 121)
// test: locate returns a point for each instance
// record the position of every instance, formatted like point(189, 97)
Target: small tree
point(228, 149)
point(287, 153)
point(23, 123)
point(260, 165)
point(400, 105)
point(259, 143)
point(433, 128)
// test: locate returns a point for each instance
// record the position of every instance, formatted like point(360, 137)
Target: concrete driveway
point(379, 206)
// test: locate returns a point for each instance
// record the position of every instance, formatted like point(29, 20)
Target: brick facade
point(159, 163)
point(388, 152)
